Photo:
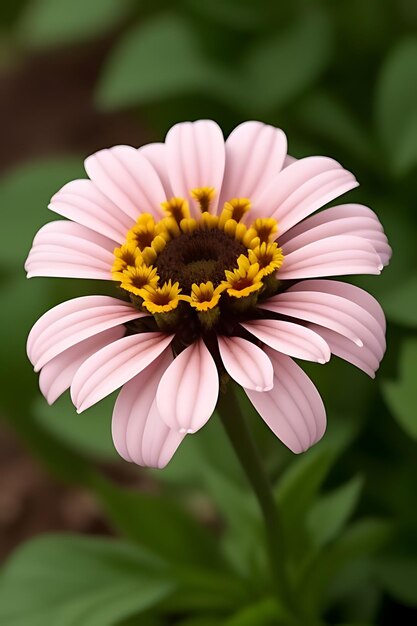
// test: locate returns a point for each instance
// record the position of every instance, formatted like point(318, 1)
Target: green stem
point(245, 448)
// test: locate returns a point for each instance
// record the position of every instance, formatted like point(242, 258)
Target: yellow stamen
point(234, 229)
point(230, 227)
point(208, 221)
point(161, 299)
point(268, 256)
point(263, 228)
point(136, 278)
point(177, 208)
point(188, 225)
point(244, 280)
point(143, 232)
point(237, 207)
point(169, 228)
point(240, 232)
point(204, 197)
point(128, 255)
point(204, 296)
point(150, 253)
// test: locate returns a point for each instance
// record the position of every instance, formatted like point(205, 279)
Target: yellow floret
point(128, 255)
point(268, 256)
point(261, 231)
point(161, 299)
point(136, 278)
point(235, 209)
point(204, 296)
point(204, 197)
point(244, 280)
point(176, 208)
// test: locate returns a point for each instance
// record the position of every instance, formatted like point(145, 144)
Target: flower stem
point(245, 448)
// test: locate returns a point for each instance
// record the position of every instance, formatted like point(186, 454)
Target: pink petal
point(247, 364)
point(125, 176)
point(63, 309)
point(293, 409)
point(139, 433)
point(53, 266)
point(302, 188)
point(159, 441)
point(156, 154)
point(188, 391)
point(289, 338)
point(333, 256)
point(255, 153)
point(346, 219)
point(67, 249)
point(356, 294)
point(196, 158)
point(311, 302)
point(113, 366)
point(58, 374)
point(289, 160)
point(57, 232)
point(363, 358)
point(82, 202)
point(72, 322)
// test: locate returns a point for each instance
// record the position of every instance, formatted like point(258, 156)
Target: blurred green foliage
point(341, 78)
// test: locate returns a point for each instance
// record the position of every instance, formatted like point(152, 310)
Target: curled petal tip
point(264, 387)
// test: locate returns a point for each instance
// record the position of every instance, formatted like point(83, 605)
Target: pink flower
point(221, 268)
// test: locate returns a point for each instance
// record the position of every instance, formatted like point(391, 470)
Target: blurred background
point(340, 77)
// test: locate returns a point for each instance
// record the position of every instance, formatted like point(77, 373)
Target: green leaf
point(25, 193)
point(298, 487)
point(401, 395)
point(265, 612)
point(62, 22)
point(24, 302)
point(280, 67)
point(361, 539)
point(199, 621)
point(327, 117)
point(398, 576)
point(67, 580)
point(330, 513)
point(396, 106)
point(400, 302)
point(209, 450)
point(405, 156)
point(209, 463)
point(88, 433)
point(160, 525)
point(155, 60)
point(233, 14)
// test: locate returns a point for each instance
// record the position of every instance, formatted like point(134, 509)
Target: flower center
point(194, 274)
point(198, 257)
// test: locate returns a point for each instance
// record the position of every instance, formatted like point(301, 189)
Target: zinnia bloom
point(219, 265)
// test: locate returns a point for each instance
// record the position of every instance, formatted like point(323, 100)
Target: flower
point(219, 262)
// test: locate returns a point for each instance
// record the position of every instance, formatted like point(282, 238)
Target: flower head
point(222, 264)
